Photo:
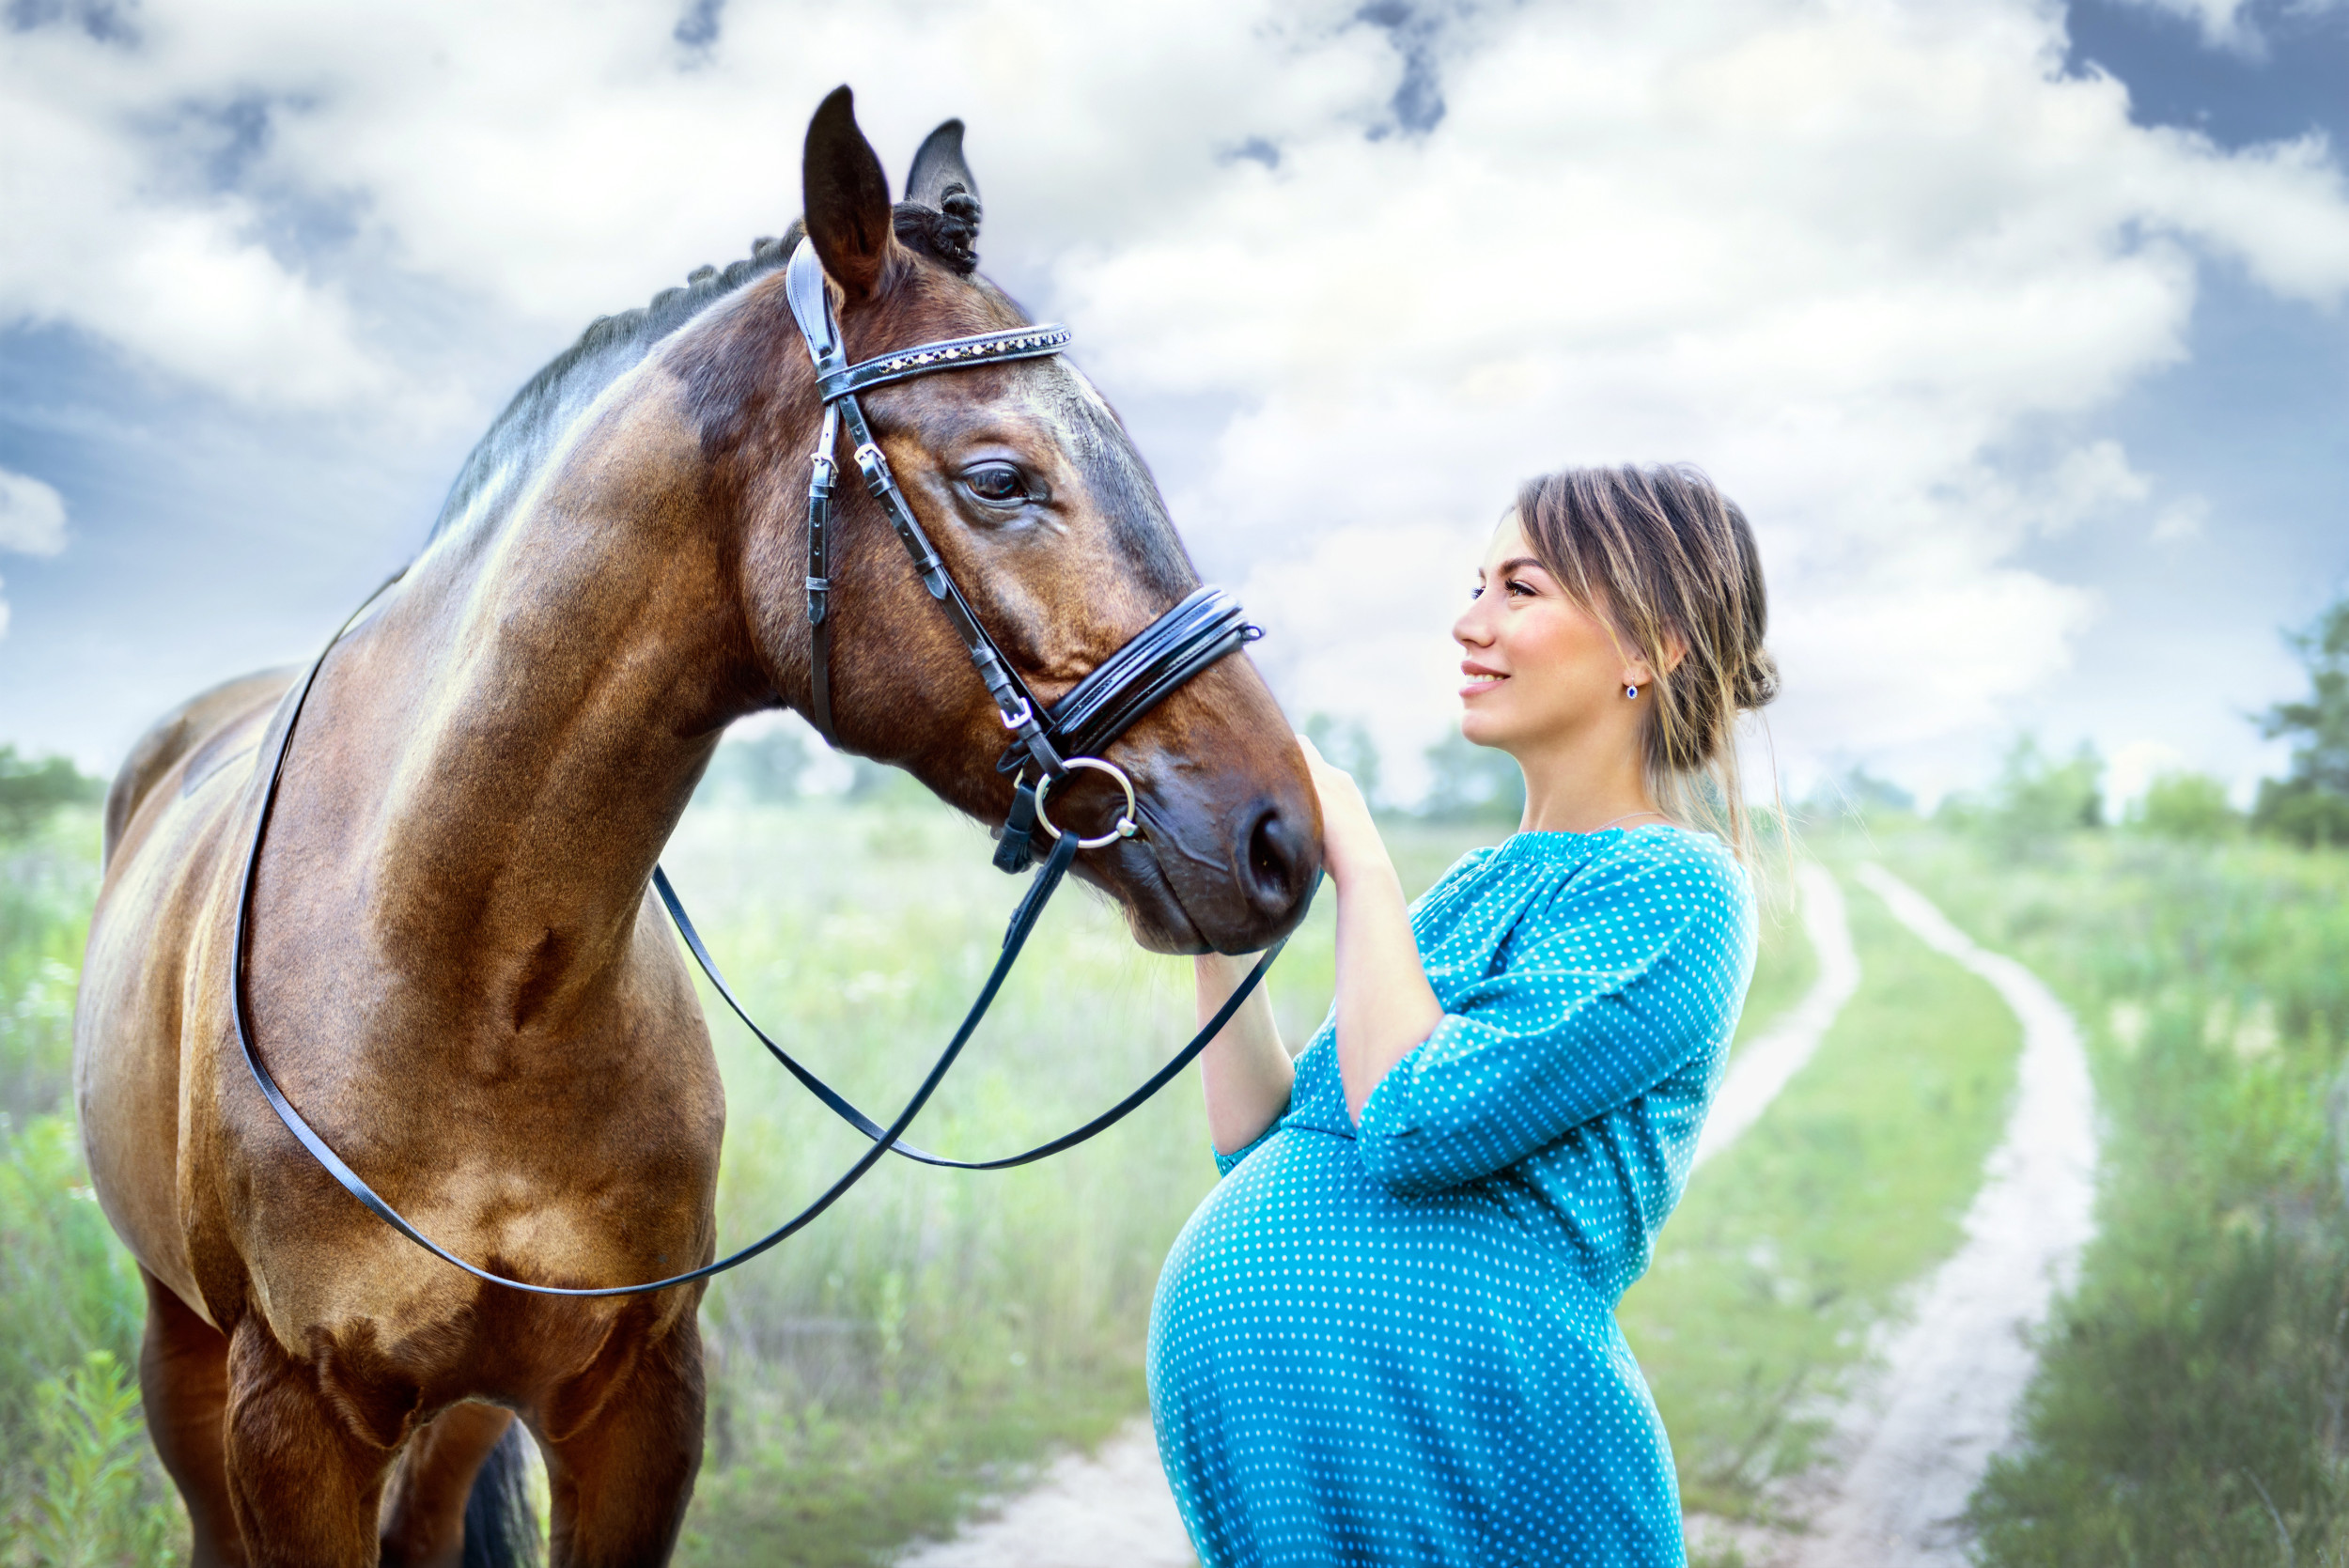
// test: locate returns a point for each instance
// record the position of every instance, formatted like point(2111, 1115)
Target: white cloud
point(1851, 259)
point(92, 236)
point(2183, 519)
point(32, 515)
point(32, 522)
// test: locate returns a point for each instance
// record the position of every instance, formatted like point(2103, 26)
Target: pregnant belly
point(1323, 1350)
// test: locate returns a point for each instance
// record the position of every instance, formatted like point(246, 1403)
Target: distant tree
point(763, 767)
point(2309, 804)
point(30, 790)
point(2035, 798)
point(2182, 806)
point(1348, 744)
point(1472, 783)
point(771, 764)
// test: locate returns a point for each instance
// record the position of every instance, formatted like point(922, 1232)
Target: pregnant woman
point(1388, 1336)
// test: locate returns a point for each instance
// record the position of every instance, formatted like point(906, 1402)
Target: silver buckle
point(1019, 719)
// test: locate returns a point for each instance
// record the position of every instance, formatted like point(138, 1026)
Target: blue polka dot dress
point(1395, 1343)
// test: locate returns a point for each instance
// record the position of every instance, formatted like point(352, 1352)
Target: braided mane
point(613, 345)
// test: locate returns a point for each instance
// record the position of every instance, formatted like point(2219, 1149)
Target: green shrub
point(2189, 806)
point(30, 790)
point(2035, 801)
point(93, 1502)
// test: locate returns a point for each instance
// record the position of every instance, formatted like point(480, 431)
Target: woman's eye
point(1518, 585)
point(996, 482)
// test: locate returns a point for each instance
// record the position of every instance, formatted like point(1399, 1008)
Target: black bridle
point(1047, 743)
point(1099, 708)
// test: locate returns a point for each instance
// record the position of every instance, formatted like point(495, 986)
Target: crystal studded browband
point(952, 353)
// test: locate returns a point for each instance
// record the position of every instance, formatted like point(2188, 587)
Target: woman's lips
point(1479, 680)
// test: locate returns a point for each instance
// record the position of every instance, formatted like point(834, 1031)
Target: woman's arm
point(1385, 1005)
point(1245, 1070)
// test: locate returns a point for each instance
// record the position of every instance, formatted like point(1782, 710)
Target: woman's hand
point(1349, 839)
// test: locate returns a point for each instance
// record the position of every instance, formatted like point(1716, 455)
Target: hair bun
point(1757, 682)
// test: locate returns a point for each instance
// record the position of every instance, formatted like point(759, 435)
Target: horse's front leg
point(623, 1443)
point(305, 1477)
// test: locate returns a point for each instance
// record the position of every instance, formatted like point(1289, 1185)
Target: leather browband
point(952, 353)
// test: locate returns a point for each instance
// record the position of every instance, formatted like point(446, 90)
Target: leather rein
point(1046, 744)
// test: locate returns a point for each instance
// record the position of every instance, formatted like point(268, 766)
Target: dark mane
point(613, 345)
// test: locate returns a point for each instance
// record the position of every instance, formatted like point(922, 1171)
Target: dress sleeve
point(1612, 989)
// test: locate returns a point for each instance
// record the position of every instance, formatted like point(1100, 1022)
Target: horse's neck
point(554, 688)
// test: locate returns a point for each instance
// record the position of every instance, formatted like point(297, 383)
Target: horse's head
point(1050, 523)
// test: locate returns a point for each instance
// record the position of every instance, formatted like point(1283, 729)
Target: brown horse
point(455, 969)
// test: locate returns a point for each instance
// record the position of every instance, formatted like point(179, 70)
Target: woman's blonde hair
point(1669, 562)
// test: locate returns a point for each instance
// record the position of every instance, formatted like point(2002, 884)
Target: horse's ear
point(938, 168)
point(846, 196)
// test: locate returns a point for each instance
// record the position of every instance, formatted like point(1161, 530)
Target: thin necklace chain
point(1624, 817)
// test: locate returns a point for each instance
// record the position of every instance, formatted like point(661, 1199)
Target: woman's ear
point(1641, 673)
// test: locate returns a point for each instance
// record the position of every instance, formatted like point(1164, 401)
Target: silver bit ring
point(1127, 824)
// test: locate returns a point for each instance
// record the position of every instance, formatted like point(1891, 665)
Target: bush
point(2188, 806)
point(1347, 745)
point(2035, 800)
point(30, 790)
point(1467, 782)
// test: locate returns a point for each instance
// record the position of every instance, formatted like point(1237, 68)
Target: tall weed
point(89, 1509)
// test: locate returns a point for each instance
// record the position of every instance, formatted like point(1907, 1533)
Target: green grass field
point(940, 1333)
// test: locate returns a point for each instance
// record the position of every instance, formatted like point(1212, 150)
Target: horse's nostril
point(1273, 866)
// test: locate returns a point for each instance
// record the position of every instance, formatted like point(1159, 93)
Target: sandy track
point(1764, 1067)
point(1914, 1442)
point(1110, 1511)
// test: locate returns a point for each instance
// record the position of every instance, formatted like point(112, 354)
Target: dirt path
point(1764, 1067)
point(1913, 1444)
point(1110, 1510)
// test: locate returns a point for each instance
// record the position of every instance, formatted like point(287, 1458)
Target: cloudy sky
point(2020, 330)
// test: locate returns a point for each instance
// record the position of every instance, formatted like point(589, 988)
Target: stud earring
point(1631, 691)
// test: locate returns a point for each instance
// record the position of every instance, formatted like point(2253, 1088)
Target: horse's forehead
point(1066, 404)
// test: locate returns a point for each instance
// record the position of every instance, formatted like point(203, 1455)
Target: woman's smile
point(1481, 678)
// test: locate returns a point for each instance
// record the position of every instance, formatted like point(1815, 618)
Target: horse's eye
point(996, 482)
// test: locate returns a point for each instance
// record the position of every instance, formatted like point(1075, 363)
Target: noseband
point(1047, 744)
